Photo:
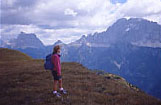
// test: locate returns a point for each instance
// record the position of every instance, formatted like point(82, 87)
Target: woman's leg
point(61, 87)
point(60, 83)
point(57, 94)
point(55, 85)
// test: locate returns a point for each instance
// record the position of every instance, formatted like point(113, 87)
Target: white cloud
point(68, 20)
point(142, 9)
point(11, 31)
point(9, 2)
point(47, 36)
point(69, 11)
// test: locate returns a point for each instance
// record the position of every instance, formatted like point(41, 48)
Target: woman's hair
point(56, 48)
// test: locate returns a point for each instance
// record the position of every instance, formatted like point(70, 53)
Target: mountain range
point(129, 48)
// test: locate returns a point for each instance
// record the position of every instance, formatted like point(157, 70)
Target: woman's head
point(56, 49)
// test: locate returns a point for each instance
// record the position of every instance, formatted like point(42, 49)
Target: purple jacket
point(56, 62)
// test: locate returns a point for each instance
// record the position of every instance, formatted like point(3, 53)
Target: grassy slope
point(10, 55)
point(25, 82)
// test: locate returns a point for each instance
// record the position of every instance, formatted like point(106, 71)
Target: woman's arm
point(56, 62)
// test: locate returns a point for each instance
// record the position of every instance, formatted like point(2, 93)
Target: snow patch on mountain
point(127, 29)
point(147, 44)
point(99, 45)
point(117, 64)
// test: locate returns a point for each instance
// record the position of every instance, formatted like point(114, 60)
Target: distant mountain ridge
point(25, 40)
point(135, 31)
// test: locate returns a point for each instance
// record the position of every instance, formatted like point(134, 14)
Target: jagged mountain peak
point(26, 35)
point(58, 42)
point(131, 20)
point(79, 42)
point(136, 21)
point(83, 37)
point(136, 31)
point(26, 40)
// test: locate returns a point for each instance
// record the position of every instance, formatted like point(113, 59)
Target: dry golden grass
point(25, 82)
point(12, 55)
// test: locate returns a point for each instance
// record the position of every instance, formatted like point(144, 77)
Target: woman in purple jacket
point(56, 72)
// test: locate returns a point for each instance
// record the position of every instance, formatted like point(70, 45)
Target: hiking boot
point(57, 94)
point(63, 91)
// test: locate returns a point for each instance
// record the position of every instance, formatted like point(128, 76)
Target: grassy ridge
point(12, 55)
point(25, 82)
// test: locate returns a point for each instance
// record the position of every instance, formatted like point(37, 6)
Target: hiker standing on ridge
point(56, 72)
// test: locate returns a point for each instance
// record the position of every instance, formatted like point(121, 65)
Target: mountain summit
point(136, 31)
point(58, 42)
point(25, 40)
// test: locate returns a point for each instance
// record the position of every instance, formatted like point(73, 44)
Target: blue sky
point(118, 1)
point(68, 20)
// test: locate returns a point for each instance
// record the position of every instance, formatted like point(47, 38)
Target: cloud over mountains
point(67, 20)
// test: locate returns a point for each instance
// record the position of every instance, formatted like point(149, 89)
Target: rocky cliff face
point(135, 31)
